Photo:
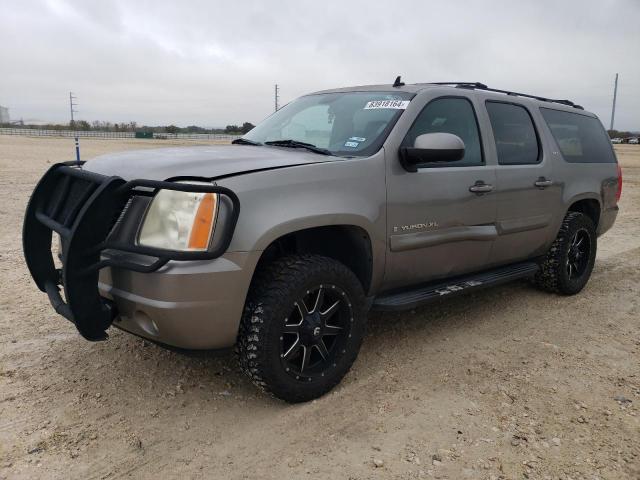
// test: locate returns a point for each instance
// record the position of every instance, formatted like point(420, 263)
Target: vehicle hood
point(204, 161)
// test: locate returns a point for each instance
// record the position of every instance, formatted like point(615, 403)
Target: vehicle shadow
point(169, 372)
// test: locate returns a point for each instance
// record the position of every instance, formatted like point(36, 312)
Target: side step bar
point(424, 294)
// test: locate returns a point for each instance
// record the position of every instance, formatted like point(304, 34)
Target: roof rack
point(482, 86)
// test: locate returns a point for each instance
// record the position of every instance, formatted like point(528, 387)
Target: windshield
point(345, 123)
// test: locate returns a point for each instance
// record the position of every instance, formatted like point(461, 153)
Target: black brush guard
point(83, 207)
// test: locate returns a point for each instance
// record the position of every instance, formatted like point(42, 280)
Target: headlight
point(180, 221)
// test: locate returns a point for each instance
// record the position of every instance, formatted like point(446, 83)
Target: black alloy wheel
point(315, 332)
point(567, 266)
point(578, 255)
point(302, 327)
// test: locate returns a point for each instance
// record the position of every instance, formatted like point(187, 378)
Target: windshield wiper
point(296, 144)
point(244, 141)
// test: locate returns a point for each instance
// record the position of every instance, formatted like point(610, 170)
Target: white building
point(4, 114)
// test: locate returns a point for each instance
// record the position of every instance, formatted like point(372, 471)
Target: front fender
point(342, 192)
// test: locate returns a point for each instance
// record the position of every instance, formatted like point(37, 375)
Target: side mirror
point(432, 148)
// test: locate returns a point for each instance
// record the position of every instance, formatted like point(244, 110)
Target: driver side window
point(450, 115)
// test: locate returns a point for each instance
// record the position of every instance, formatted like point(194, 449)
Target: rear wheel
point(568, 264)
point(302, 326)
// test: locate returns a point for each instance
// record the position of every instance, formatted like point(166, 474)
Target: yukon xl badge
point(415, 226)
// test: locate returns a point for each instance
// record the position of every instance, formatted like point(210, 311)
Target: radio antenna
point(398, 82)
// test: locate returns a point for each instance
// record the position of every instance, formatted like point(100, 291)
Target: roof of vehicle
point(416, 88)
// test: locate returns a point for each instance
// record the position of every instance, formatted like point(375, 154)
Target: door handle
point(543, 182)
point(481, 187)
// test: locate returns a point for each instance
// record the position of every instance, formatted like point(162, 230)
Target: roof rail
point(482, 86)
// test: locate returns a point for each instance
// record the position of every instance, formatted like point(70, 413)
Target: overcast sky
point(214, 63)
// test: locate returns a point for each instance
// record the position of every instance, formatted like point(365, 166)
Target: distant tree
point(83, 125)
point(618, 134)
point(105, 126)
point(247, 127)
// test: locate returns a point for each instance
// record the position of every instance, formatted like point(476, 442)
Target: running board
point(454, 286)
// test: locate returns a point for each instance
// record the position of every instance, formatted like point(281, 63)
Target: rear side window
point(514, 134)
point(580, 138)
point(450, 115)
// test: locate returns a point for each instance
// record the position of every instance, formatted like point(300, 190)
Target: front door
point(440, 219)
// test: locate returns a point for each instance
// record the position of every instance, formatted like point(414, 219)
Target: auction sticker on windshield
point(396, 104)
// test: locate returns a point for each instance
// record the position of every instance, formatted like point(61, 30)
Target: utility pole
point(73, 104)
point(277, 96)
point(613, 108)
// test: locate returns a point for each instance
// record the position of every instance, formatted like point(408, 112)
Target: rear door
point(436, 226)
point(527, 197)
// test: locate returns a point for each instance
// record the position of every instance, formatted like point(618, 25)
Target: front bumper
point(191, 305)
point(90, 212)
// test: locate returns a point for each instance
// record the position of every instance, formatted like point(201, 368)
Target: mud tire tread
point(271, 290)
point(551, 276)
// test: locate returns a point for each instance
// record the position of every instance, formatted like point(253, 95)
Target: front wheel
point(568, 264)
point(302, 327)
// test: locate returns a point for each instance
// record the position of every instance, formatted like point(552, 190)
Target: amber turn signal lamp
point(203, 222)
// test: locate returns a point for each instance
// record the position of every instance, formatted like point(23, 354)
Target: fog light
point(146, 323)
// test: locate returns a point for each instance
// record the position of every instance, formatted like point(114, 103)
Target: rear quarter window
point(581, 139)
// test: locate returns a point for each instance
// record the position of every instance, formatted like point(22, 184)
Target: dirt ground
point(509, 383)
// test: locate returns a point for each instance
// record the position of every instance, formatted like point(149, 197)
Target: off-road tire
point(553, 275)
point(273, 291)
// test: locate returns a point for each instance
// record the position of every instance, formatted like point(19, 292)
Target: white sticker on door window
point(351, 144)
point(357, 139)
point(395, 104)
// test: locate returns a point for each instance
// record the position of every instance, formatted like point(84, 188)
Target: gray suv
point(384, 197)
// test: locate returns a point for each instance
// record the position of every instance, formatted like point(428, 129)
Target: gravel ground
point(509, 383)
